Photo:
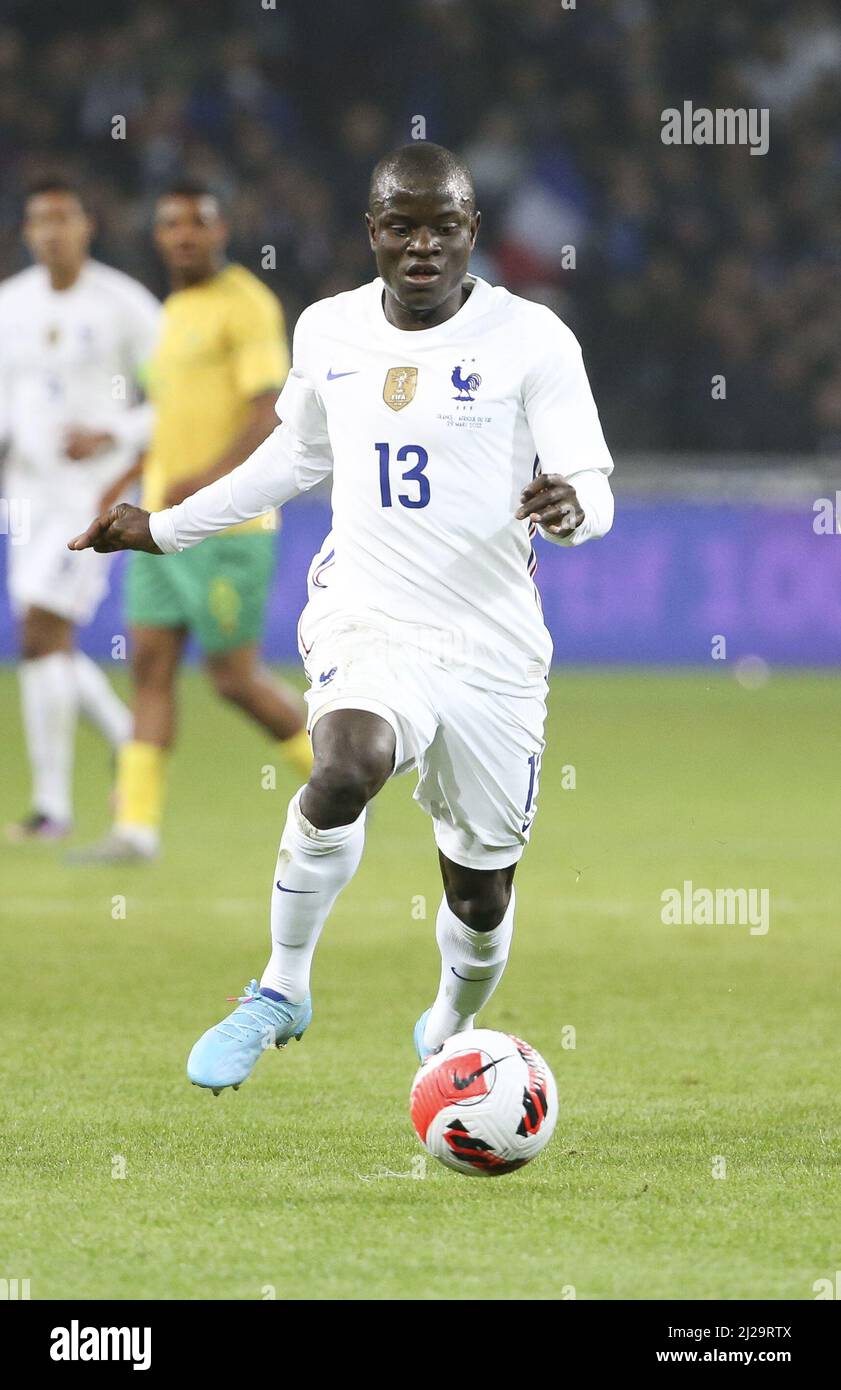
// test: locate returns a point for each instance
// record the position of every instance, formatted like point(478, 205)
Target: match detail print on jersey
point(400, 386)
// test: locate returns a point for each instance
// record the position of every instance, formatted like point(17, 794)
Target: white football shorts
point(43, 573)
point(477, 752)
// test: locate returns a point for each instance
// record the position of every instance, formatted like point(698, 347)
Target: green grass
point(691, 1042)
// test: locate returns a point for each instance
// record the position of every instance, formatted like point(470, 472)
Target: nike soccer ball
point(484, 1103)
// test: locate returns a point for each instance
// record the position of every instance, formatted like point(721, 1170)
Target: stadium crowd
point(690, 261)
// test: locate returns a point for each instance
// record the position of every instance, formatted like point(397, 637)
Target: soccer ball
point(484, 1103)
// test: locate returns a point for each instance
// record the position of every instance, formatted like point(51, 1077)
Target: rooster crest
point(465, 384)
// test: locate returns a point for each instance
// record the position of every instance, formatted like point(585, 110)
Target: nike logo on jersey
point(295, 890)
point(334, 376)
point(461, 1083)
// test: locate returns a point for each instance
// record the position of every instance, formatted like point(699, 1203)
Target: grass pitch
point(693, 1044)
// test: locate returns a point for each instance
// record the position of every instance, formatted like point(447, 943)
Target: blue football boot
point(225, 1055)
point(420, 1046)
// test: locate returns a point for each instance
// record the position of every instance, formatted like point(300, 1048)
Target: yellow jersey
point(222, 343)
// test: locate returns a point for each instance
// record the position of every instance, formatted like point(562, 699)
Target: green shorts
point(217, 590)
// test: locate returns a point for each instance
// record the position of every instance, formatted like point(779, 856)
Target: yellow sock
point(140, 784)
point(297, 752)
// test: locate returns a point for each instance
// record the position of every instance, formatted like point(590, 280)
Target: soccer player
point(454, 418)
point(74, 336)
point(214, 378)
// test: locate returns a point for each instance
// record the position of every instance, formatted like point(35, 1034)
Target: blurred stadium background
point(689, 261)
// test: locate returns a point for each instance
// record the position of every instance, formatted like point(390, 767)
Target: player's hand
point(123, 528)
point(83, 444)
point(550, 501)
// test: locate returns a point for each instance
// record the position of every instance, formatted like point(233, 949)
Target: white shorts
point(477, 751)
point(43, 573)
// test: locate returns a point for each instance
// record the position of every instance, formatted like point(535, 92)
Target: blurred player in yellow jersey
point(214, 378)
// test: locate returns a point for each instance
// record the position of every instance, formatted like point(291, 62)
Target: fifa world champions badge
point(400, 386)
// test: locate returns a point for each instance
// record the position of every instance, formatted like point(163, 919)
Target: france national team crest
point(400, 386)
point(466, 382)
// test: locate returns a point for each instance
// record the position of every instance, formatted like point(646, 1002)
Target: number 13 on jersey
point(417, 496)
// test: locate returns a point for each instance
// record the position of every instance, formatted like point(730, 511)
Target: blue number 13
point(412, 475)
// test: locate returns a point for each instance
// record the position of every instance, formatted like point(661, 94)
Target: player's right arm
point(293, 459)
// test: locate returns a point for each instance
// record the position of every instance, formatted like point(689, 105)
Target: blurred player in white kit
point(74, 335)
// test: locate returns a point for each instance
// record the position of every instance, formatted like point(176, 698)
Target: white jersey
point(70, 359)
point(430, 436)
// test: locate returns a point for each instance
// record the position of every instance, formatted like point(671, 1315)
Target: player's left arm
point(260, 365)
point(570, 498)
